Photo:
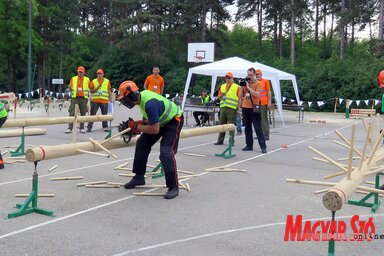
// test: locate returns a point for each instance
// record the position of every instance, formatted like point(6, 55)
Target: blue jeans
point(238, 123)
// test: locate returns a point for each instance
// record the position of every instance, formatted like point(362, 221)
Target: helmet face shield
point(127, 101)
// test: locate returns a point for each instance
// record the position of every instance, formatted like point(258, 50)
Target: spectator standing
point(155, 82)
point(79, 88)
point(265, 102)
point(229, 103)
point(101, 94)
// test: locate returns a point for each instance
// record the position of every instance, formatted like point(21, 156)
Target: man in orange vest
point(101, 94)
point(265, 102)
point(154, 82)
point(79, 88)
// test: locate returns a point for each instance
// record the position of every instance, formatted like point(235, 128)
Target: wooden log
point(4, 152)
point(103, 186)
point(123, 169)
point(53, 168)
point(4, 133)
point(50, 152)
point(93, 153)
point(68, 178)
point(103, 148)
point(55, 120)
point(186, 172)
point(39, 195)
point(91, 183)
point(187, 176)
point(8, 96)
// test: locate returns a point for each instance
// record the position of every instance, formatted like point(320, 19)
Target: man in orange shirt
point(101, 94)
point(79, 88)
point(154, 82)
point(265, 102)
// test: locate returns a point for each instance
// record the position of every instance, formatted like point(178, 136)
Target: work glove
point(133, 125)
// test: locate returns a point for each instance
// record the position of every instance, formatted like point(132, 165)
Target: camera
point(243, 81)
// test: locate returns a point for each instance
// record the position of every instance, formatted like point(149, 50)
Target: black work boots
point(172, 193)
point(135, 181)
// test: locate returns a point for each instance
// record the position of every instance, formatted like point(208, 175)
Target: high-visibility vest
point(3, 111)
point(86, 81)
point(170, 111)
point(231, 99)
point(264, 92)
point(102, 93)
point(205, 100)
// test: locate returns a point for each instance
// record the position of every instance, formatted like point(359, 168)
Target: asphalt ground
point(232, 213)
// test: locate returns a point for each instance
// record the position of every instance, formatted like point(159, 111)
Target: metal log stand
point(376, 202)
point(20, 151)
point(24, 208)
point(229, 149)
point(161, 174)
point(374, 206)
point(331, 243)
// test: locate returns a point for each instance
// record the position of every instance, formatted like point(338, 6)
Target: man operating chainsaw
point(162, 119)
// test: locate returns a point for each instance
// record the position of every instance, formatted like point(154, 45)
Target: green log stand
point(229, 149)
point(331, 243)
point(24, 208)
point(376, 202)
point(161, 174)
point(20, 151)
point(109, 135)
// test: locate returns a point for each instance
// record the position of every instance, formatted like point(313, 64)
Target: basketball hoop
point(198, 59)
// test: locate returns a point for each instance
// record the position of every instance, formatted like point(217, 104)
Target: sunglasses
point(228, 77)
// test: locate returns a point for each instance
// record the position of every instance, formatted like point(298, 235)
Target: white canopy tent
point(239, 67)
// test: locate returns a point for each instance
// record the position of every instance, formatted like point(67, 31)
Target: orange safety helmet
point(128, 93)
point(380, 79)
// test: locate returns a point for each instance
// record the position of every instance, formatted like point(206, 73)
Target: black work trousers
point(104, 110)
point(249, 119)
point(169, 143)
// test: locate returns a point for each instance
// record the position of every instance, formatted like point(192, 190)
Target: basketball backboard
point(201, 52)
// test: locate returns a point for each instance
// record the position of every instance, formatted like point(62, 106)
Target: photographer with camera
point(250, 103)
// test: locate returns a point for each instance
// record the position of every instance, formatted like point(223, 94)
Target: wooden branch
point(102, 186)
point(321, 191)
point(121, 165)
point(114, 136)
point(351, 152)
point(91, 183)
point(347, 142)
point(329, 159)
point(311, 182)
point(53, 168)
point(92, 153)
point(103, 148)
point(192, 154)
point(365, 147)
point(39, 195)
point(333, 175)
point(68, 178)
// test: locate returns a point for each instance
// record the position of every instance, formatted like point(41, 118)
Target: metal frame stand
point(109, 135)
point(161, 174)
point(229, 149)
point(376, 202)
point(20, 151)
point(24, 208)
point(331, 243)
